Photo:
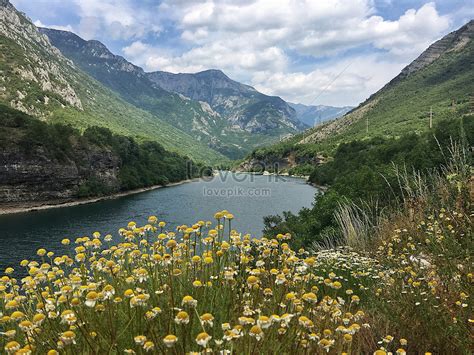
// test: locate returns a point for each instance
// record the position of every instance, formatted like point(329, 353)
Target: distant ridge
point(240, 104)
point(314, 115)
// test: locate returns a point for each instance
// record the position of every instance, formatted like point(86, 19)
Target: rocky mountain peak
point(453, 41)
point(244, 107)
point(69, 42)
point(213, 73)
point(41, 66)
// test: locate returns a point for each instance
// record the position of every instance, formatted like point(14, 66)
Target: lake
point(248, 197)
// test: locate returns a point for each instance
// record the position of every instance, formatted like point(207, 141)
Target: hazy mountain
point(37, 79)
point(243, 106)
point(314, 115)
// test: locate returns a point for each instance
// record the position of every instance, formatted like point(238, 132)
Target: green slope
point(445, 86)
point(38, 80)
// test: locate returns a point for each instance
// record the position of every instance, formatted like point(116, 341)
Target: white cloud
point(278, 46)
point(257, 41)
point(413, 32)
point(316, 28)
point(38, 23)
point(119, 19)
point(344, 82)
point(231, 58)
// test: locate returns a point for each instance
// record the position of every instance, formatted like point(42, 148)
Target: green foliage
point(365, 171)
point(144, 164)
point(301, 170)
point(55, 138)
point(93, 187)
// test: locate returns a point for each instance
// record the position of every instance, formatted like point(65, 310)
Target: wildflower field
point(208, 288)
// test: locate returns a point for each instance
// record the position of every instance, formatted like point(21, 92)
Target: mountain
point(133, 85)
point(243, 106)
point(440, 82)
point(314, 115)
point(192, 114)
point(38, 80)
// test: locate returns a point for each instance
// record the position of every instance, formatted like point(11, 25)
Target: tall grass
point(425, 244)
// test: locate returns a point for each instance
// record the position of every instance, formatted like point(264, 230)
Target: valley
point(153, 201)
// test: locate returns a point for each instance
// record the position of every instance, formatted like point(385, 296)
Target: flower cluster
point(208, 288)
point(198, 288)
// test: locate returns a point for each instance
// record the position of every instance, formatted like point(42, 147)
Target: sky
point(315, 52)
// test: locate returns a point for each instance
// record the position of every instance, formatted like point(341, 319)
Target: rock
point(14, 26)
point(35, 176)
point(278, 163)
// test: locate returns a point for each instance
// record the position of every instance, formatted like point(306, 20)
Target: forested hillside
point(41, 162)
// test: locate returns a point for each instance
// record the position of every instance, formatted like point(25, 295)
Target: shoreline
point(322, 188)
point(46, 205)
point(266, 173)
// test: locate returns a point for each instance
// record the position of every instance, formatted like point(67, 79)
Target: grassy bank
point(368, 173)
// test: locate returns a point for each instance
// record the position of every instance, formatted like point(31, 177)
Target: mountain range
point(315, 115)
point(39, 80)
point(243, 106)
point(59, 77)
point(229, 117)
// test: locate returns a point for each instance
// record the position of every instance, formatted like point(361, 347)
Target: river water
point(248, 197)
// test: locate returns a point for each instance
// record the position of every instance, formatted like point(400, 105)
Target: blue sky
point(334, 52)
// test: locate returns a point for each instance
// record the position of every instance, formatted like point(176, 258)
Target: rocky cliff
point(29, 82)
point(35, 176)
point(52, 163)
point(277, 163)
point(454, 41)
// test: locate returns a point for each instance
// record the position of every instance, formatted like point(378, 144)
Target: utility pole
point(367, 124)
point(453, 105)
point(431, 117)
